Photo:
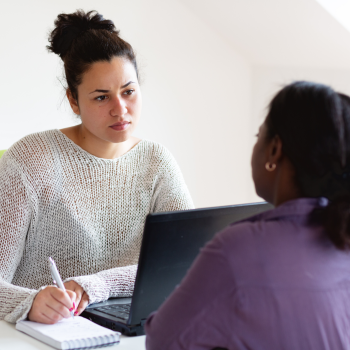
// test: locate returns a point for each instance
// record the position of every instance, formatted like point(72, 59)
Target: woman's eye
point(129, 92)
point(101, 98)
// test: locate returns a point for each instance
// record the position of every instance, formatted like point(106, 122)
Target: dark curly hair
point(82, 39)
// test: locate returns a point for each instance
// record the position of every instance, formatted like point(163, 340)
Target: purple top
point(273, 281)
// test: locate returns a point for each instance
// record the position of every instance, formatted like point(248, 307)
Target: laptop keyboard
point(117, 310)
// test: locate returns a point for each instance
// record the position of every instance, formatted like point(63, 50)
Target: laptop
point(171, 241)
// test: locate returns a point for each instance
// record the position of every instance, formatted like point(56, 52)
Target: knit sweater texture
point(86, 212)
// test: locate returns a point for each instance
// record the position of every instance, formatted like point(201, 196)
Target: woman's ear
point(275, 150)
point(73, 102)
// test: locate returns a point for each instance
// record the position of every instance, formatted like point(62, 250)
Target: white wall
point(197, 88)
point(267, 80)
point(279, 32)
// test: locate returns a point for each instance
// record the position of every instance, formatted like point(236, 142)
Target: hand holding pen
point(52, 304)
point(57, 280)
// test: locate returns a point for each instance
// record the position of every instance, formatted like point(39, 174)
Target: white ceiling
point(339, 9)
point(278, 32)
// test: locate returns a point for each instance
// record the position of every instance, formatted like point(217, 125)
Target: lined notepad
point(76, 333)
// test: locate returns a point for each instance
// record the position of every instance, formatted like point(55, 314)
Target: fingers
point(71, 285)
point(41, 318)
point(62, 297)
point(50, 305)
point(56, 310)
point(76, 288)
point(44, 319)
point(84, 302)
point(81, 298)
point(53, 304)
point(72, 295)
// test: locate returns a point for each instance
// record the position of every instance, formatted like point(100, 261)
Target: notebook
point(70, 333)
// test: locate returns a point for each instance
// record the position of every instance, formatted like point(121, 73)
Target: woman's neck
point(285, 188)
point(96, 146)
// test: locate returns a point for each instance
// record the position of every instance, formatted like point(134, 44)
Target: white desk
point(11, 339)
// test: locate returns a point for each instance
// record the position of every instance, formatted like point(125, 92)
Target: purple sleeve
point(177, 323)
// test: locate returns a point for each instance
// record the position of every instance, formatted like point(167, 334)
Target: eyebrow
point(125, 85)
point(105, 91)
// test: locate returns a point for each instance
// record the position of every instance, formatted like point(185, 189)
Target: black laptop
point(171, 241)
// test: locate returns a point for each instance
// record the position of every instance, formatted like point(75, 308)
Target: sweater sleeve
point(15, 215)
point(170, 191)
point(116, 282)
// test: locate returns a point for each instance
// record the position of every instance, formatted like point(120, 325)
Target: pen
point(57, 279)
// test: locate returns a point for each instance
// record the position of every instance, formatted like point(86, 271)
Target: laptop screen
point(170, 244)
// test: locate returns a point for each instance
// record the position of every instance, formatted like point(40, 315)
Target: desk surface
point(11, 339)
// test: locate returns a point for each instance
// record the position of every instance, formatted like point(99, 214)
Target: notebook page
point(71, 333)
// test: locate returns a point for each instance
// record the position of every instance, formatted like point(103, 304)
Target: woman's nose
point(119, 107)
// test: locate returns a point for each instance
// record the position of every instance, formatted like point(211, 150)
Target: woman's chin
point(263, 195)
point(118, 136)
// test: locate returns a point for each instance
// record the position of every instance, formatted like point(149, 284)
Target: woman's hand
point(81, 300)
point(51, 304)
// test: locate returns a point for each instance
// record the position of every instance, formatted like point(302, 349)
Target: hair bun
point(70, 26)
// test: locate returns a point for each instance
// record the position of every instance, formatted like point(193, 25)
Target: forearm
point(16, 211)
point(116, 282)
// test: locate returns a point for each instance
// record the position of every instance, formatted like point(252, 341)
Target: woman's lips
point(120, 126)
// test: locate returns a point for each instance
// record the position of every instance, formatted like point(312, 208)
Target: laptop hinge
point(143, 321)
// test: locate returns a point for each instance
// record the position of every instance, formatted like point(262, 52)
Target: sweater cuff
point(95, 287)
point(20, 312)
point(116, 282)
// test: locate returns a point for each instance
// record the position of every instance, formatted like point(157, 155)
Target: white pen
point(57, 279)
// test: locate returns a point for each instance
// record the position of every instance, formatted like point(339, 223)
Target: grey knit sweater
point(87, 213)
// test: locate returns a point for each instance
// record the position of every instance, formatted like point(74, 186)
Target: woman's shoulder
point(154, 148)
point(155, 153)
point(238, 233)
point(247, 232)
point(31, 148)
point(273, 230)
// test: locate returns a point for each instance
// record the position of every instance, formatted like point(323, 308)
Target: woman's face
point(109, 100)
point(262, 178)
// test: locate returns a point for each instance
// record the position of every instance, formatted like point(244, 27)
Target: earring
point(270, 167)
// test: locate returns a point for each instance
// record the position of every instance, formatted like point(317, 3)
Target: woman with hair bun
point(81, 194)
point(281, 279)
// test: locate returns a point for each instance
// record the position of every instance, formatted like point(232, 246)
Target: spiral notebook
point(72, 333)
